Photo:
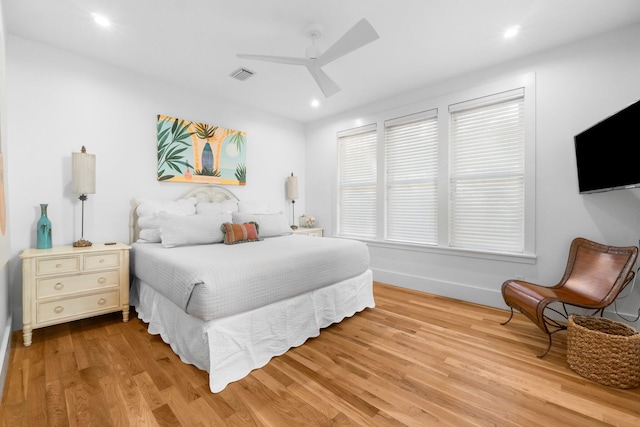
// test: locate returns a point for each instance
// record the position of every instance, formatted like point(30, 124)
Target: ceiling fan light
point(312, 52)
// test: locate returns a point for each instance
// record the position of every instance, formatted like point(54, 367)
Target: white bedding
point(217, 281)
point(228, 309)
point(229, 348)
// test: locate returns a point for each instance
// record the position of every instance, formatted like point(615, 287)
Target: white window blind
point(487, 174)
point(357, 157)
point(411, 154)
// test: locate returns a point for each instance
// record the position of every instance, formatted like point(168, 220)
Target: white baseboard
point(464, 292)
point(628, 318)
point(5, 352)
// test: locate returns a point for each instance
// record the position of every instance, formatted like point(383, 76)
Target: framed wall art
point(200, 153)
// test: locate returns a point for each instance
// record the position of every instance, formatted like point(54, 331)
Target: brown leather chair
point(594, 277)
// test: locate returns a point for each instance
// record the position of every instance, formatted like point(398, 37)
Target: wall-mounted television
point(606, 153)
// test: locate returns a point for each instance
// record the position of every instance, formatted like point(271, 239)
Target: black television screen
point(606, 152)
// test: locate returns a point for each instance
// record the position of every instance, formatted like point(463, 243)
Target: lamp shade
point(292, 187)
point(83, 172)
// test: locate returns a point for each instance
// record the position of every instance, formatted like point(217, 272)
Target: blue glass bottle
point(44, 229)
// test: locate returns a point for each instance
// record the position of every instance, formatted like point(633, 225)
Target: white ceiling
point(193, 43)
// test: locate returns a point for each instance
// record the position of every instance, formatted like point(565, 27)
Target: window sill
point(494, 256)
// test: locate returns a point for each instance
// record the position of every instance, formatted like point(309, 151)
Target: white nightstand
point(66, 283)
point(317, 232)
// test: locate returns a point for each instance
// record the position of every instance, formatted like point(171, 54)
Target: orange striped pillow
point(240, 233)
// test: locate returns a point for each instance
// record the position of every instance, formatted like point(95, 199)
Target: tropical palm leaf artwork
point(199, 152)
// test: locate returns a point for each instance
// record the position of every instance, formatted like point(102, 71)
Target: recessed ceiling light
point(101, 20)
point(512, 31)
point(315, 103)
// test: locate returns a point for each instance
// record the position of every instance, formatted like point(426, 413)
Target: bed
point(230, 308)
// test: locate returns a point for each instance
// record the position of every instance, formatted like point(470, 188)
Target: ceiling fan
point(359, 35)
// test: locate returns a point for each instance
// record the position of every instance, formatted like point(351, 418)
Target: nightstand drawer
point(64, 285)
point(77, 306)
point(313, 231)
point(104, 260)
point(57, 265)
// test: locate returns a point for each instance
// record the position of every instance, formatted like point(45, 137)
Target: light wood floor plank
point(118, 412)
point(414, 360)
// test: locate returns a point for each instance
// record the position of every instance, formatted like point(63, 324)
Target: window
point(357, 193)
point(411, 154)
point(486, 191)
point(457, 181)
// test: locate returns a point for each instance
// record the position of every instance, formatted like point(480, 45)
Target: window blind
point(357, 193)
point(411, 154)
point(487, 174)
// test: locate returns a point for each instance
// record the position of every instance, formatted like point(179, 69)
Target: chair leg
point(509, 319)
point(540, 356)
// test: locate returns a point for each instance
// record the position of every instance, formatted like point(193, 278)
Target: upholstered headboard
point(203, 193)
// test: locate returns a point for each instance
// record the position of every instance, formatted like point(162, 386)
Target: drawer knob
point(58, 286)
point(101, 260)
point(101, 280)
point(58, 265)
point(58, 309)
point(102, 301)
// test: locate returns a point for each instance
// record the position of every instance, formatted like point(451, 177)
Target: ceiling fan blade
point(278, 59)
point(359, 35)
point(327, 86)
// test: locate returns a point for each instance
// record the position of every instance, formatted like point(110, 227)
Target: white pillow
point(149, 209)
point(269, 225)
point(183, 230)
point(149, 235)
point(176, 207)
point(254, 206)
point(216, 208)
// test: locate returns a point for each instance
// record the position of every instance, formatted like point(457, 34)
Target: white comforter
point(217, 281)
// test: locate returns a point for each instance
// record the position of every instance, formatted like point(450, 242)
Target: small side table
point(64, 283)
point(314, 231)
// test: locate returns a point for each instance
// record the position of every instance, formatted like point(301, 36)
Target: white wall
point(59, 101)
point(5, 311)
point(576, 86)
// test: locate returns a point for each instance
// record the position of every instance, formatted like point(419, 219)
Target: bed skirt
point(230, 348)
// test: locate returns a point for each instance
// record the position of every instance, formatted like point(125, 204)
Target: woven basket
point(604, 351)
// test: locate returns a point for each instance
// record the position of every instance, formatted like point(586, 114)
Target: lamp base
point(82, 243)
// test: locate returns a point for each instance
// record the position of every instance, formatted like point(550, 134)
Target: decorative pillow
point(148, 211)
point(271, 225)
point(183, 230)
point(240, 233)
point(215, 208)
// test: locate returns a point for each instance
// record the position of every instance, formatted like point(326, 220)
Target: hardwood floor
point(415, 360)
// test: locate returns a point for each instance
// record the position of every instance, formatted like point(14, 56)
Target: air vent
point(242, 74)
